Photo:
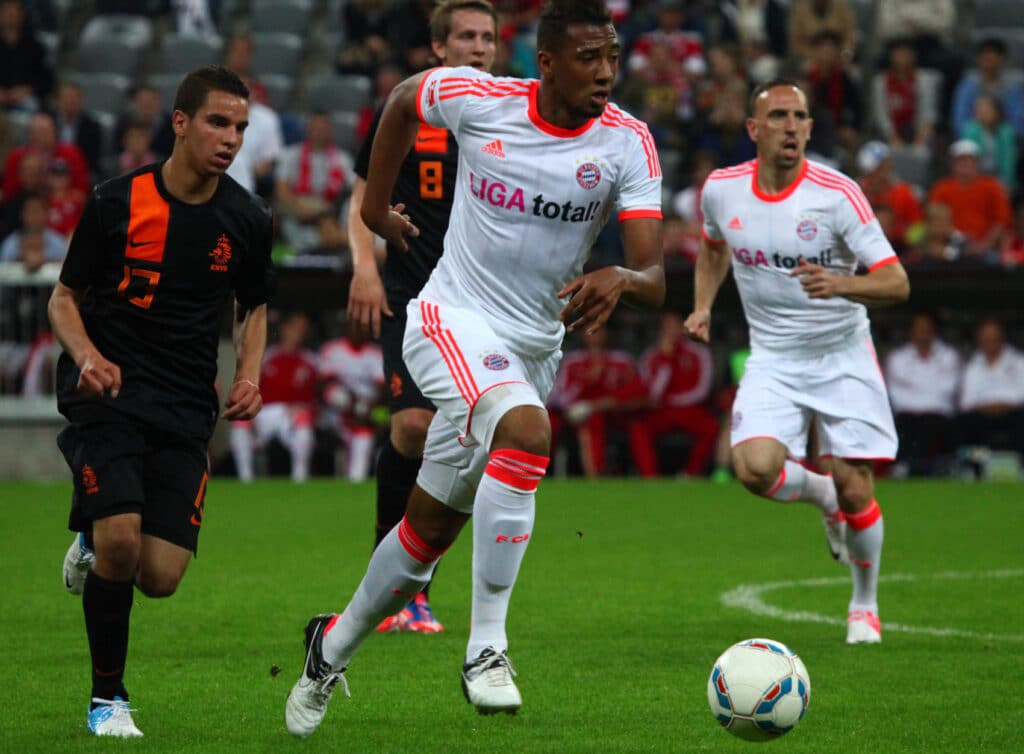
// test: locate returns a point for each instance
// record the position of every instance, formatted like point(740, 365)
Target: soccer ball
point(759, 689)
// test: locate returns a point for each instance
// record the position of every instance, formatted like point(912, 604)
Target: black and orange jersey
point(426, 186)
point(154, 276)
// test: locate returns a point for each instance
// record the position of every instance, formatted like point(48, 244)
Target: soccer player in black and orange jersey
point(462, 33)
point(138, 310)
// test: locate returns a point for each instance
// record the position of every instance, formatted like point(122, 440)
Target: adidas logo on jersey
point(494, 148)
point(735, 224)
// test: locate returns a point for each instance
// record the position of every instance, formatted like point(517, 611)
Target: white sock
point(864, 534)
point(503, 514)
point(360, 452)
point(242, 445)
point(400, 567)
point(797, 484)
point(300, 443)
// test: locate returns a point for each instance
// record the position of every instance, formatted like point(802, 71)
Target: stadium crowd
point(920, 101)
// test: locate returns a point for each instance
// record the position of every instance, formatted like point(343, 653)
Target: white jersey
point(824, 218)
point(358, 370)
point(530, 199)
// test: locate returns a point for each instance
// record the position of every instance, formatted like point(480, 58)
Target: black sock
point(107, 606)
point(396, 476)
point(88, 539)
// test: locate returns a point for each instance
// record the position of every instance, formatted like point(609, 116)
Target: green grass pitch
point(614, 626)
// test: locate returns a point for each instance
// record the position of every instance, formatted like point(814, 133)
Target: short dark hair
point(764, 86)
point(199, 83)
point(441, 16)
point(558, 15)
point(993, 44)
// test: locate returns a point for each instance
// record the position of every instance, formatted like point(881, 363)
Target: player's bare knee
point(117, 554)
point(409, 431)
point(433, 521)
point(855, 486)
point(756, 474)
point(156, 585)
point(525, 428)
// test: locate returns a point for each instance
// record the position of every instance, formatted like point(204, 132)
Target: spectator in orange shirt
point(883, 189)
point(980, 204)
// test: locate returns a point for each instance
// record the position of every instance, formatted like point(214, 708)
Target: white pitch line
point(749, 597)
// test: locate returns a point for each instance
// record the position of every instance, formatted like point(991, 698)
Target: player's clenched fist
point(98, 377)
point(244, 401)
point(698, 326)
point(593, 297)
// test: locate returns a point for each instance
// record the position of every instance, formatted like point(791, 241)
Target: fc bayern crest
point(807, 230)
point(588, 175)
point(496, 362)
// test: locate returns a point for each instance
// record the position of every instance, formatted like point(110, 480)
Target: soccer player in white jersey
point(794, 232)
point(542, 164)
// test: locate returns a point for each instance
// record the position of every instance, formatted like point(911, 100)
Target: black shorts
point(127, 467)
point(402, 390)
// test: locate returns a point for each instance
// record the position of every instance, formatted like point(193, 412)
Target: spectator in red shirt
point(64, 202)
point(980, 204)
point(883, 189)
point(288, 384)
point(600, 390)
point(42, 138)
point(679, 374)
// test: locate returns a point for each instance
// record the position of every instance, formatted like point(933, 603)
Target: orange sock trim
point(517, 468)
point(414, 544)
point(865, 518)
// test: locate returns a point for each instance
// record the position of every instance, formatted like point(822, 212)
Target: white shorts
point(280, 420)
point(465, 369)
point(842, 391)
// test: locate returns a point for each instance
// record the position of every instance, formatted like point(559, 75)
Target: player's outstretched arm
point(709, 273)
point(395, 133)
point(97, 374)
point(367, 298)
point(250, 336)
point(594, 296)
point(883, 286)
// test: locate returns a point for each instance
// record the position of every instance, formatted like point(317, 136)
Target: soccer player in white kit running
point(542, 164)
point(794, 232)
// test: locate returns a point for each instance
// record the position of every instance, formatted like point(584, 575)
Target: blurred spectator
point(32, 179)
point(136, 147)
point(833, 88)
point(409, 33)
point(980, 204)
point(352, 373)
point(809, 18)
point(659, 93)
point(313, 179)
point(929, 26)
point(760, 23)
point(923, 376)
point(905, 99)
point(679, 375)
point(883, 189)
point(1013, 252)
point(673, 31)
point(147, 107)
point(991, 76)
point(33, 223)
point(997, 144)
point(683, 236)
point(600, 391)
point(385, 79)
point(193, 17)
point(941, 241)
point(42, 139)
point(238, 58)
point(723, 107)
point(516, 53)
point(992, 395)
point(288, 384)
point(64, 201)
point(76, 126)
point(23, 321)
point(25, 75)
point(366, 47)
